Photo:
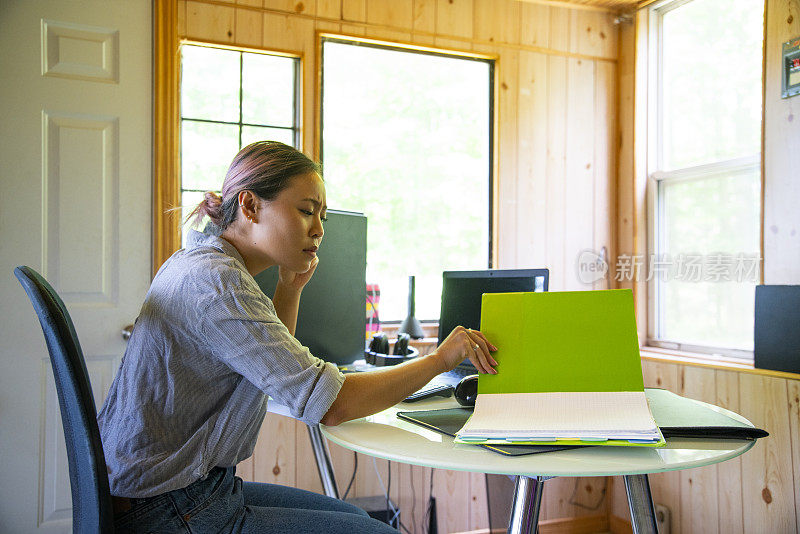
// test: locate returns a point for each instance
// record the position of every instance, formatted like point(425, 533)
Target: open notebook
point(568, 372)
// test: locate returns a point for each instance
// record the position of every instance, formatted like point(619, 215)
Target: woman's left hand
point(297, 281)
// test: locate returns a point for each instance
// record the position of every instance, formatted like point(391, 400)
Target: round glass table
point(384, 435)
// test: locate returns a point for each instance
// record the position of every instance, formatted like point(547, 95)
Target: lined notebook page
point(606, 413)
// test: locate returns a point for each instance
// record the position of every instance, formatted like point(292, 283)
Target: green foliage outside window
point(406, 140)
point(230, 99)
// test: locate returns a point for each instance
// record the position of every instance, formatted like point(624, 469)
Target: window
point(704, 166)
point(407, 139)
point(229, 99)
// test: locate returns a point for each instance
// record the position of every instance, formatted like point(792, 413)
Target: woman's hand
point(297, 281)
point(467, 343)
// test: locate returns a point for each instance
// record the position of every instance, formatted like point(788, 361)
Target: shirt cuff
point(324, 393)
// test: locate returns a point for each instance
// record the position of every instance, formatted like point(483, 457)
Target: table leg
point(525, 508)
point(643, 514)
point(323, 459)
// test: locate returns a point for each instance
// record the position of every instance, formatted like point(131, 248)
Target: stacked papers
point(533, 418)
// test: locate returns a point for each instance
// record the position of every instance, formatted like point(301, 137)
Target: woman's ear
point(248, 205)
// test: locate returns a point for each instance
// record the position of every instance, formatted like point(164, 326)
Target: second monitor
point(332, 318)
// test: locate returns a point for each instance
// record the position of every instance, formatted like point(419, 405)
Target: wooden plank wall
point(556, 100)
point(781, 228)
point(757, 492)
point(556, 157)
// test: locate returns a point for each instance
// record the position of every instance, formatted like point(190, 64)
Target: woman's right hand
point(467, 343)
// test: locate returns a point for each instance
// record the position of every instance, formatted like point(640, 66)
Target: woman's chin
point(301, 267)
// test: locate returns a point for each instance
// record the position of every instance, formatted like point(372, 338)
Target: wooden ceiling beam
point(610, 6)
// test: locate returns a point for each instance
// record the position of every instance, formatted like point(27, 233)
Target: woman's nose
point(317, 231)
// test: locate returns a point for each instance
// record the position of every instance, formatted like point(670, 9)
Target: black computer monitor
point(332, 318)
point(462, 292)
point(776, 336)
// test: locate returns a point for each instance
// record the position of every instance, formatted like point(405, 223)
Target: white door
point(75, 197)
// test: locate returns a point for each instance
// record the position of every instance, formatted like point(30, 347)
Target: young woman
point(208, 347)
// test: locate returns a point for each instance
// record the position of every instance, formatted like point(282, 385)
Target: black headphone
point(378, 352)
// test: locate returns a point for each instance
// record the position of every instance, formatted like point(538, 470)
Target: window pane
point(268, 89)
point(209, 83)
point(711, 81)
point(711, 235)
point(206, 152)
point(251, 134)
point(406, 141)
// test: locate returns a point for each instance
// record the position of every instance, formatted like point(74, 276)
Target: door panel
point(76, 154)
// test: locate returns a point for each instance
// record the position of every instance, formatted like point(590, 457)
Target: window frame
point(297, 97)
point(296, 102)
point(656, 178)
point(493, 167)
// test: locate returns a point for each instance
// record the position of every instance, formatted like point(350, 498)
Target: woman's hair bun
point(211, 205)
point(212, 199)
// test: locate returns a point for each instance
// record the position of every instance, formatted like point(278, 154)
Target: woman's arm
point(287, 303)
point(363, 394)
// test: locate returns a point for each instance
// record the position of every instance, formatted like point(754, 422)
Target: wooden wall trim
point(640, 165)
point(606, 7)
point(618, 525)
point(565, 525)
point(645, 3)
point(166, 142)
point(575, 525)
point(698, 360)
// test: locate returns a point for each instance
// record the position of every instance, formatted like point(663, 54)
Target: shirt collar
point(196, 239)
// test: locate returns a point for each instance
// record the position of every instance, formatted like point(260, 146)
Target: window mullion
point(710, 169)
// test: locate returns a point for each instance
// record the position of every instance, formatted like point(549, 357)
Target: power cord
point(352, 478)
point(389, 503)
point(429, 510)
point(413, 503)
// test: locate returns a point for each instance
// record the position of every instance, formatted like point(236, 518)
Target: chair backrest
point(91, 498)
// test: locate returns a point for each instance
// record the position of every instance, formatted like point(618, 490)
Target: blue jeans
point(223, 503)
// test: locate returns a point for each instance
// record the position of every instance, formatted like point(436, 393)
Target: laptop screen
point(462, 291)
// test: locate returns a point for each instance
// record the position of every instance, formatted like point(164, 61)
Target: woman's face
point(289, 227)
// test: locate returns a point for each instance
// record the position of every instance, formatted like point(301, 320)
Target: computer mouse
point(467, 390)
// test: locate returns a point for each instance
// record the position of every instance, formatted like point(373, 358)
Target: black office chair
point(91, 499)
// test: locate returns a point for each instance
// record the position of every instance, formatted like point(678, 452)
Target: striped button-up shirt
point(191, 392)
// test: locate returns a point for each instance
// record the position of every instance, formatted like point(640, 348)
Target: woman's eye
point(324, 219)
point(307, 212)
